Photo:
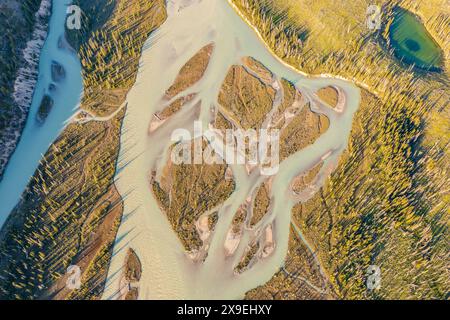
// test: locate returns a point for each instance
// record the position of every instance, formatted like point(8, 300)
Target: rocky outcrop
point(58, 72)
point(44, 109)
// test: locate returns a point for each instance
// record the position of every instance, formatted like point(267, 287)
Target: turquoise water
point(36, 137)
point(412, 43)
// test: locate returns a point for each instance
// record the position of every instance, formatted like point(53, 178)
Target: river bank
point(38, 136)
point(394, 95)
point(167, 270)
point(20, 73)
point(69, 212)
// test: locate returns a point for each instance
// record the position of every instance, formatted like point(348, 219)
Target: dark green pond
point(412, 43)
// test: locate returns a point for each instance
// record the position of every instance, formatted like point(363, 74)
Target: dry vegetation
point(301, 277)
point(306, 179)
point(191, 72)
point(303, 130)
point(329, 95)
point(260, 204)
point(245, 98)
point(188, 191)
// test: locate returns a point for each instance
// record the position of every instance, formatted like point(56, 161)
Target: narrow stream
point(167, 271)
point(37, 137)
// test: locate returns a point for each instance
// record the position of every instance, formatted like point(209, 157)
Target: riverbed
point(168, 272)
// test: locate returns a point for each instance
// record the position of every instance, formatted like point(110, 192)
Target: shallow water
point(167, 271)
point(36, 137)
point(412, 43)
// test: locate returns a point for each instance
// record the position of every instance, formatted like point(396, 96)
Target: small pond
point(412, 43)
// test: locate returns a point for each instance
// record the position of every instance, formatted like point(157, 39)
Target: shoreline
point(25, 82)
point(166, 270)
point(36, 137)
point(310, 76)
